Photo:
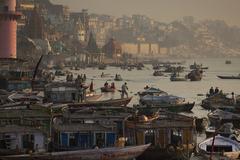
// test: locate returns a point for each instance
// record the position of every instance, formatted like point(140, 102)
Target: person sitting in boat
point(113, 85)
point(146, 87)
point(106, 84)
point(124, 90)
point(116, 76)
point(216, 90)
point(211, 91)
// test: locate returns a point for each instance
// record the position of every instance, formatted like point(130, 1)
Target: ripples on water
point(138, 79)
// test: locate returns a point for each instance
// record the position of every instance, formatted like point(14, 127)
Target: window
point(149, 137)
point(73, 139)
point(100, 139)
point(176, 137)
point(111, 138)
point(85, 140)
point(28, 141)
point(2, 142)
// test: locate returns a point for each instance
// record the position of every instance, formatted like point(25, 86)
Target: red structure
point(8, 29)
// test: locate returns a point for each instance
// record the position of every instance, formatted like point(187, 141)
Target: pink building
point(8, 29)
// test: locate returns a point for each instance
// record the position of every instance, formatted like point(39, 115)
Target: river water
point(137, 79)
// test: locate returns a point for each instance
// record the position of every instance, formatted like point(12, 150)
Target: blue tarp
point(64, 139)
point(111, 137)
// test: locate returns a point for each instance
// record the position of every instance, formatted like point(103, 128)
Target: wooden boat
point(228, 62)
point(223, 148)
point(229, 77)
point(104, 75)
point(114, 153)
point(195, 75)
point(216, 101)
point(226, 130)
point(157, 73)
point(139, 67)
point(184, 107)
point(129, 68)
point(107, 89)
point(166, 102)
point(118, 78)
point(161, 100)
point(175, 77)
point(197, 66)
point(219, 117)
point(59, 73)
point(204, 67)
point(152, 91)
point(102, 66)
point(25, 97)
point(110, 102)
point(170, 69)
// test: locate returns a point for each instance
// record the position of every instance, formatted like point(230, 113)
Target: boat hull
point(114, 153)
point(229, 77)
point(118, 79)
point(186, 107)
point(104, 89)
point(178, 79)
point(93, 97)
point(166, 153)
point(111, 102)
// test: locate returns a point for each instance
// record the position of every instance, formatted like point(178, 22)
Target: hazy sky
point(162, 10)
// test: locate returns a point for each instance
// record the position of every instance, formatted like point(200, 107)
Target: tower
point(8, 29)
